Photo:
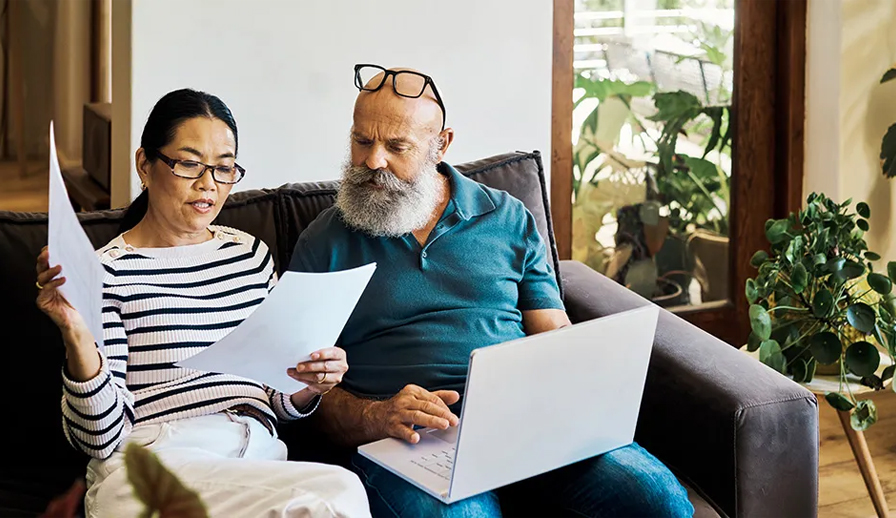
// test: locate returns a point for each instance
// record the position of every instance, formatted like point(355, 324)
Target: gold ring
point(36, 283)
point(324, 377)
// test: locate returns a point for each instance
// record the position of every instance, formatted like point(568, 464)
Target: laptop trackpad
point(449, 435)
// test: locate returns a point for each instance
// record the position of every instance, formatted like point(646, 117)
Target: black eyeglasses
point(404, 82)
point(193, 170)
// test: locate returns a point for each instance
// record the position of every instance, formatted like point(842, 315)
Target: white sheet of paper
point(304, 313)
point(69, 246)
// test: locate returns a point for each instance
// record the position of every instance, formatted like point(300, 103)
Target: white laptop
point(533, 405)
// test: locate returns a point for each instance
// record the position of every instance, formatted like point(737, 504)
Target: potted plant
point(664, 201)
point(817, 301)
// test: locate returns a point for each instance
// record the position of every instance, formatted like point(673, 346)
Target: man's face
point(390, 183)
point(391, 134)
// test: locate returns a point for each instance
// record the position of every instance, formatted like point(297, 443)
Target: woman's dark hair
point(161, 127)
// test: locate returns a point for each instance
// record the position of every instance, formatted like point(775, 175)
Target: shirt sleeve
point(98, 414)
point(285, 410)
point(538, 287)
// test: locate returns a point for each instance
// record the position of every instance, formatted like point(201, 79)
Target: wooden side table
point(821, 384)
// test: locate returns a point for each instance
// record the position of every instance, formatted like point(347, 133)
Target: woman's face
point(184, 205)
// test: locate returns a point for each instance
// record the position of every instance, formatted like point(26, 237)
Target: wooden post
point(17, 82)
point(866, 465)
point(561, 126)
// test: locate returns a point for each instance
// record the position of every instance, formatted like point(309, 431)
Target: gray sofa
point(741, 437)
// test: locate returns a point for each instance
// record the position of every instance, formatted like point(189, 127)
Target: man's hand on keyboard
point(413, 406)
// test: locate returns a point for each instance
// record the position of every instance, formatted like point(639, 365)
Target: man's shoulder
point(327, 225)
point(507, 206)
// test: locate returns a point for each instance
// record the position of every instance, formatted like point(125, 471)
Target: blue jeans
point(627, 482)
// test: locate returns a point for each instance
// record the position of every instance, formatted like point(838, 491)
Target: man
point(459, 266)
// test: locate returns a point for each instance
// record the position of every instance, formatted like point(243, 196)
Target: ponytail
point(135, 212)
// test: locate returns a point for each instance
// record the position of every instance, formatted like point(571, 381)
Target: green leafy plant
point(818, 301)
point(691, 186)
point(158, 489)
point(888, 143)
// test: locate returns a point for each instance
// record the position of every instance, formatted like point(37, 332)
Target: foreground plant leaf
point(159, 489)
point(864, 415)
point(838, 401)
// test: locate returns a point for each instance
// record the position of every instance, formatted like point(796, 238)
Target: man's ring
point(321, 377)
point(36, 283)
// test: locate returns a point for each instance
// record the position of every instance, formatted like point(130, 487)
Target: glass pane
point(652, 150)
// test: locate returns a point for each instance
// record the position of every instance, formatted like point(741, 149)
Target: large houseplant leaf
point(760, 322)
point(862, 358)
point(880, 283)
point(825, 347)
point(822, 303)
point(770, 354)
point(861, 317)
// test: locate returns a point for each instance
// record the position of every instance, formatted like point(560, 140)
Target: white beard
point(395, 208)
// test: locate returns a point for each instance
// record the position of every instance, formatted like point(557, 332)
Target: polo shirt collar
point(469, 196)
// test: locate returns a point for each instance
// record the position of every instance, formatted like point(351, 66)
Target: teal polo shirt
point(427, 307)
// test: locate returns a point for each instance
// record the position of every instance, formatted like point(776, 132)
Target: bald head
point(386, 106)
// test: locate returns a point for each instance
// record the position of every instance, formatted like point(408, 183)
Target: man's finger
point(405, 433)
point(426, 395)
point(420, 418)
point(432, 409)
point(450, 397)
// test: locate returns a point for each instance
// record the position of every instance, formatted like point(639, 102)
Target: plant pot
point(828, 370)
point(710, 251)
point(670, 294)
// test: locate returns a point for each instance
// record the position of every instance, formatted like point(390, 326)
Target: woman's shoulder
point(238, 237)
point(112, 250)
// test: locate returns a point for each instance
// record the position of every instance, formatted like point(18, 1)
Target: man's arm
point(344, 418)
point(351, 421)
point(540, 320)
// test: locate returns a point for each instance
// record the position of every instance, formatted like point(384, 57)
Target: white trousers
point(235, 466)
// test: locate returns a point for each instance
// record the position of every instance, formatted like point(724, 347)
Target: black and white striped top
point(161, 306)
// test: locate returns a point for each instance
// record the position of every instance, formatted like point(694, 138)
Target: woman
point(175, 284)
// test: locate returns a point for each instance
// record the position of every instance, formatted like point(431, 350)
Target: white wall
point(285, 70)
point(849, 47)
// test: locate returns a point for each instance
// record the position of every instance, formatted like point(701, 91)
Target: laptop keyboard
point(440, 463)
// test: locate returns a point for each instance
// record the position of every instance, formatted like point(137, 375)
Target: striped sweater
point(160, 306)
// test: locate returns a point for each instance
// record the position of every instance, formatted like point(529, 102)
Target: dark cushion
point(38, 463)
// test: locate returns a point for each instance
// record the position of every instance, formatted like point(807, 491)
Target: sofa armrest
point(745, 435)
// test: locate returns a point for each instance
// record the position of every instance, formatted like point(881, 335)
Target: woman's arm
point(98, 412)
point(97, 408)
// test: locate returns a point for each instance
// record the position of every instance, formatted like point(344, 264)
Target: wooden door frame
point(768, 115)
